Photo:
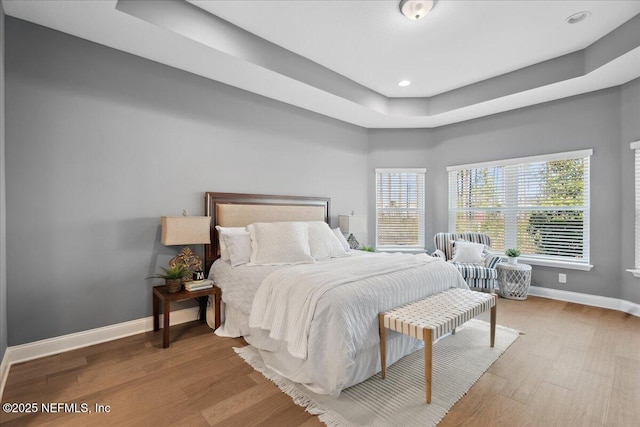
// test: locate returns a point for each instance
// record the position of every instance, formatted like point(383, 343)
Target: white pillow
point(343, 241)
point(323, 243)
point(239, 247)
point(468, 252)
point(278, 243)
point(224, 254)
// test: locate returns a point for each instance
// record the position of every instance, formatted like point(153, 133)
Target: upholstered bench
point(432, 317)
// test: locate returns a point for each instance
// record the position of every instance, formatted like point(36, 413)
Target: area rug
point(458, 362)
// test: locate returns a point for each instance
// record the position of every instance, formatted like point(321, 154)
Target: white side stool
point(514, 280)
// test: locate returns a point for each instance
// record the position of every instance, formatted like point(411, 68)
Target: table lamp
point(186, 230)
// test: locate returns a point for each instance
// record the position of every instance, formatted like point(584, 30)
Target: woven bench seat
point(432, 317)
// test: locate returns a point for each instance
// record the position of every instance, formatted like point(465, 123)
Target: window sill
point(635, 272)
point(556, 264)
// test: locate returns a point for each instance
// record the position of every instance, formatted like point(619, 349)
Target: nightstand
point(160, 293)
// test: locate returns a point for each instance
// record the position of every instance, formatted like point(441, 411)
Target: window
point(538, 204)
point(400, 209)
point(636, 146)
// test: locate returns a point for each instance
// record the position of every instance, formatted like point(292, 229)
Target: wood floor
point(575, 366)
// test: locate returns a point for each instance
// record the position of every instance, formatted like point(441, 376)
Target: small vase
point(512, 260)
point(173, 285)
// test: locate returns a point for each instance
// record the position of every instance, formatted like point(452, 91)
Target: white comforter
point(286, 300)
point(324, 330)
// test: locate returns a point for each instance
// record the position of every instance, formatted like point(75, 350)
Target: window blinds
point(538, 204)
point(636, 146)
point(400, 208)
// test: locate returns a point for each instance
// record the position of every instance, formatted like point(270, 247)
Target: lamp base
point(353, 243)
point(187, 258)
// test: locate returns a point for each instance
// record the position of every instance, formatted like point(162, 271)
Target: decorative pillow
point(239, 247)
point(224, 254)
point(322, 242)
point(341, 239)
point(468, 252)
point(491, 259)
point(277, 243)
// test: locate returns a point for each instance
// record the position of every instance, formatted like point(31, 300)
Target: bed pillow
point(341, 239)
point(278, 243)
point(323, 243)
point(224, 254)
point(239, 247)
point(468, 252)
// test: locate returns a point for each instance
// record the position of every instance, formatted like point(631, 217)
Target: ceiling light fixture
point(404, 83)
point(578, 17)
point(416, 9)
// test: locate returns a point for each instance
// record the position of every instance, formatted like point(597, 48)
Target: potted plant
point(172, 277)
point(512, 254)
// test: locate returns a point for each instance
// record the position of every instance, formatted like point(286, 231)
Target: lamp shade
point(185, 230)
point(352, 223)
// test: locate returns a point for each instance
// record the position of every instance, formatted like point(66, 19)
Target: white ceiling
point(459, 43)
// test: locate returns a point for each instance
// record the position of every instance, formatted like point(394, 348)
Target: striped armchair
point(478, 276)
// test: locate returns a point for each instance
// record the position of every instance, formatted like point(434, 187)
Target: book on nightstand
point(198, 286)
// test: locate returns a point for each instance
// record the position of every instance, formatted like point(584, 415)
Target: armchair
point(481, 276)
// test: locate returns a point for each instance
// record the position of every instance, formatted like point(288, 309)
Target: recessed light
point(578, 17)
point(404, 83)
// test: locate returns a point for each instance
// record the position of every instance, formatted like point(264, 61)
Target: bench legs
point(493, 324)
point(428, 361)
point(427, 337)
point(383, 344)
point(428, 354)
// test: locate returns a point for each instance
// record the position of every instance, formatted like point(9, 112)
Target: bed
point(313, 322)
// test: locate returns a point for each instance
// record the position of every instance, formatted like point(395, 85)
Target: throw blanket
point(286, 300)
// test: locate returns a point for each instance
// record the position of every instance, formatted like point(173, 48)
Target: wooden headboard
point(240, 210)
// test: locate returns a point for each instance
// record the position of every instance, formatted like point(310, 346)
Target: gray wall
point(3, 210)
point(100, 144)
point(586, 121)
point(630, 131)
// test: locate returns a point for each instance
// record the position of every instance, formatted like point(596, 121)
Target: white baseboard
point(4, 372)
point(586, 299)
point(50, 346)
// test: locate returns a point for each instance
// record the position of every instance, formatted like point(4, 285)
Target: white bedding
point(342, 340)
point(286, 300)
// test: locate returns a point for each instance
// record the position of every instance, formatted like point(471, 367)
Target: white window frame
point(510, 235)
point(636, 270)
point(421, 247)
